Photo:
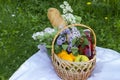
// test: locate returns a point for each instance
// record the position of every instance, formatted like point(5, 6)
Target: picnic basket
point(67, 70)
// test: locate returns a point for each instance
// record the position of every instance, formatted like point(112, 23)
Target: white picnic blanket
point(39, 67)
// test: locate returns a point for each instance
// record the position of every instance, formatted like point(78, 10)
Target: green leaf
point(74, 50)
point(73, 41)
point(86, 42)
point(57, 49)
point(78, 19)
point(77, 42)
point(46, 35)
point(64, 46)
point(82, 33)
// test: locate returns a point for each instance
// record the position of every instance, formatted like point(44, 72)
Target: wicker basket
point(67, 70)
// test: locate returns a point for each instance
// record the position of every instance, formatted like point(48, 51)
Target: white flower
point(64, 11)
point(49, 30)
point(65, 3)
point(62, 6)
point(40, 33)
point(73, 21)
point(71, 15)
point(13, 15)
point(69, 9)
point(69, 18)
point(66, 7)
point(67, 13)
point(35, 35)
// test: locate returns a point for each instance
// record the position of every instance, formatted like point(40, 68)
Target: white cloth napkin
point(39, 67)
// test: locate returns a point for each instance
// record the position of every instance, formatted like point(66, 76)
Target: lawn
point(19, 19)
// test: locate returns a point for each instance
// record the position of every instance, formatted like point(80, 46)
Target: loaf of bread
point(55, 17)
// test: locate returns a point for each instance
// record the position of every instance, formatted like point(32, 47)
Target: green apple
point(78, 58)
point(84, 58)
point(81, 58)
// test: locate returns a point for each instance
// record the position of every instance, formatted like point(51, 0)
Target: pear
point(81, 58)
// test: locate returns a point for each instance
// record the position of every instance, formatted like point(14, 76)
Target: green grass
point(16, 43)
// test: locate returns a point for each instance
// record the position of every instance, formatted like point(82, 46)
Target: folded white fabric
point(39, 67)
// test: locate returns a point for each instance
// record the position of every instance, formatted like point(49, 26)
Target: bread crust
point(55, 17)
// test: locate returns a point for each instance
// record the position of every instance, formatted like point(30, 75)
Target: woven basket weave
point(67, 70)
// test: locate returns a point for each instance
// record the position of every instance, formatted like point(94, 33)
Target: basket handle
point(80, 25)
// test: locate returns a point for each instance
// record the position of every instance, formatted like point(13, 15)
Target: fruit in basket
point(84, 58)
point(73, 57)
point(65, 56)
point(81, 58)
point(62, 53)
